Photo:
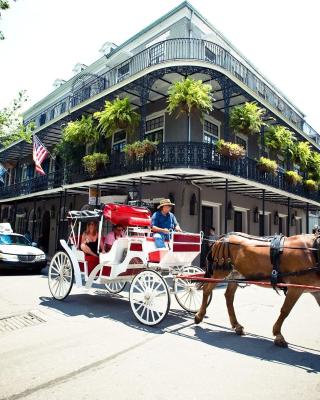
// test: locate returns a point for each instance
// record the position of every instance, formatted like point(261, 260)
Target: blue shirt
point(164, 221)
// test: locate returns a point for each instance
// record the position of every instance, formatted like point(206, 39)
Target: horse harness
point(220, 258)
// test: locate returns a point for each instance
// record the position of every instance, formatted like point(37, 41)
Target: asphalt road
point(91, 347)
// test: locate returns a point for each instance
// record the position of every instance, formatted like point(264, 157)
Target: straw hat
point(165, 202)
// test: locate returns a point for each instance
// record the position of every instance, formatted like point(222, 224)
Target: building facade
point(208, 189)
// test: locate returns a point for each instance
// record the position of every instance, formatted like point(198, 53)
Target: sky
point(46, 38)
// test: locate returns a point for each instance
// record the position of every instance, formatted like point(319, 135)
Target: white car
point(18, 252)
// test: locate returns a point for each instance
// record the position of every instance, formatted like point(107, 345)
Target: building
point(207, 189)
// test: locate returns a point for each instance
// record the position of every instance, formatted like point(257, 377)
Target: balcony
point(168, 156)
point(175, 50)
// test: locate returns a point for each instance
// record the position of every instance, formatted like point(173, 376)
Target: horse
point(292, 260)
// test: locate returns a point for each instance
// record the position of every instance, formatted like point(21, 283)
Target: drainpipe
point(199, 204)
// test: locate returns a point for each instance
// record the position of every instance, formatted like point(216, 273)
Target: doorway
point(238, 221)
point(207, 218)
point(45, 234)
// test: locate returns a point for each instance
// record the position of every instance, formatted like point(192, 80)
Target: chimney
point(78, 68)
point(58, 82)
point(107, 47)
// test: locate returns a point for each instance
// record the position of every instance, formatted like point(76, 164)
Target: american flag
point(39, 154)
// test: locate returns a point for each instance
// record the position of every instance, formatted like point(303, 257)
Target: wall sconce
point(193, 205)
point(293, 220)
point(230, 211)
point(256, 215)
point(53, 211)
point(276, 218)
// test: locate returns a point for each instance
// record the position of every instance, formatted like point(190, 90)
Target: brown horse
point(238, 253)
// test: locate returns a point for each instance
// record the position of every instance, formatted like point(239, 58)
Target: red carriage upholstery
point(127, 215)
point(92, 262)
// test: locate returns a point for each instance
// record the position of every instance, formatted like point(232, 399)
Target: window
point(157, 53)
point(238, 69)
point(210, 132)
point(119, 140)
point(63, 107)
point(242, 142)
point(155, 129)
point(123, 72)
point(261, 88)
point(24, 171)
point(42, 119)
point(52, 113)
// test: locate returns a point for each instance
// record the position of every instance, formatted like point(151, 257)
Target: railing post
point(33, 220)
point(288, 219)
point(263, 212)
point(226, 207)
point(307, 218)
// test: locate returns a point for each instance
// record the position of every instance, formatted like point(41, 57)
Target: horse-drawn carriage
point(153, 273)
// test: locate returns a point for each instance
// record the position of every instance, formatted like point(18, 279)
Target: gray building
point(207, 189)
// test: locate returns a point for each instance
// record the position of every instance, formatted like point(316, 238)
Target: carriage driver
point(163, 221)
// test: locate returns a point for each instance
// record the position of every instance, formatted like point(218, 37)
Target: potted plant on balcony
point(311, 185)
point(83, 131)
point(94, 162)
point(292, 177)
point(117, 114)
point(188, 96)
point(265, 165)
point(139, 149)
point(280, 139)
point(313, 166)
point(230, 150)
point(302, 154)
point(247, 118)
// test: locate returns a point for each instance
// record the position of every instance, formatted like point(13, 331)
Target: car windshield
point(13, 239)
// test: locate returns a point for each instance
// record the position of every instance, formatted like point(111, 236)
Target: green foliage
point(93, 162)
point(266, 165)
point(302, 154)
point(11, 122)
point(138, 149)
point(230, 150)
point(189, 95)
point(81, 131)
point(311, 185)
point(117, 114)
point(314, 166)
point(4, 5)
point(293, 177)
point(280, 139)
point(247, 118)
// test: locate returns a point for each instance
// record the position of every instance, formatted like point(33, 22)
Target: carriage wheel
point(186, 291)
point(60, 275)
point(149, 298)
point(115, 287)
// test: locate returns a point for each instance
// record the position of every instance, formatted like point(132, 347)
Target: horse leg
point(316, 296)
point(229, 295)
point(292, 296)
point(206, 290)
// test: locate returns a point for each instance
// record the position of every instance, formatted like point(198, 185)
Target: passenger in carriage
point(163, 221)
point(89, 240)
point(116, 233)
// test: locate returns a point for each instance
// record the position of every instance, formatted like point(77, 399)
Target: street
point(91, 347)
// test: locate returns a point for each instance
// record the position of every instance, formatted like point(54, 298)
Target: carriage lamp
point(230, 211)
point(276, 218)
point(256, 215)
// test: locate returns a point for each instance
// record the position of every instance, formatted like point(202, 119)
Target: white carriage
point(134, 258)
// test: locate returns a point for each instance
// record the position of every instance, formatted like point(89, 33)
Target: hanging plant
point(292, 177)
point(189, 95)
point(83, 131)
point(230, 150)
point(247, 118)
point(280, 139)
point(94, 162)
point(138, 149)
point(302, 154)
point(117, 114)
point(265, 165)
point(311, 185)
point(313, 166)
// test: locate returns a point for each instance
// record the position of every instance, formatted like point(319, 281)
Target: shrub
point(230, 150)
point(266, 165)
point(311, 185)
point(95, 161)
point(139, 149)
point(293, 177)
point(247, 118)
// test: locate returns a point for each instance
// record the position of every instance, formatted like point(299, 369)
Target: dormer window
point(157, 53)
point(42, 119)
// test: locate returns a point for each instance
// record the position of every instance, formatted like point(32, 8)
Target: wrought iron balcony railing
point(174, 50)
point(168, 155)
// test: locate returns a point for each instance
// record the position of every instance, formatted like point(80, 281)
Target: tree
point(11, 122)
point(4, 5)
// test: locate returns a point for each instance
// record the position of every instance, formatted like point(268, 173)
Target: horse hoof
point(197, 319)
point(239, 330)
point(280, 342)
